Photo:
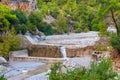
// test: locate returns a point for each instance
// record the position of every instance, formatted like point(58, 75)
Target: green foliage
point(2, 78)
point(115, 42)
point(11, 18)
point(9, 42)
point(47, 1)
point(54, 11)
point(20, 23)
point(4, 49)
point(97, 71)
point(86, 15)
point(22, 19)
point(21, 28)
point(5, 18)
point(62, 24)
point(4, 10)
point(95, 27)
point(103, 28)
point(77, 27)
point(35, 18)
point(101, 48)
point(31, 27)
point(45, 28)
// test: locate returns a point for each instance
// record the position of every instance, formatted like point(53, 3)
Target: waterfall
point(63, 51)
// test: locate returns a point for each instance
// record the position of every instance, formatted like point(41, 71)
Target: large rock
point(2, 60)
point(77, 62)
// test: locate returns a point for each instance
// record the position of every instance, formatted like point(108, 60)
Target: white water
point(63, 51)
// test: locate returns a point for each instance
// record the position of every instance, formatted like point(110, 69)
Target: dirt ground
point(115, 57)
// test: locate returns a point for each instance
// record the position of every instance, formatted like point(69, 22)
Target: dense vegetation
point(8, 39)
point(97, 71)
point(2, 78)
point(69, 15)
point(82, 15)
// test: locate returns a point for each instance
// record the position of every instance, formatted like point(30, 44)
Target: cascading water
point(63, 51)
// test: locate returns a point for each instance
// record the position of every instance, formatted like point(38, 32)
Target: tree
point(89, 14)
point(13, 20)
point(62, 25)
point(10, 42)
point(6, 19)
point(115, 42)
point(45, 28)
point(22, 19)
point(111, 7)
point(35, 18)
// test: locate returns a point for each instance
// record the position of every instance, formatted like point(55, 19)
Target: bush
point(21, 28)
point(97, 71)
point(62, 24)
point(2, 78)
point(95, 27)
point(45, 28)
point(9, 42)
point(101, 48)
point(115, 42)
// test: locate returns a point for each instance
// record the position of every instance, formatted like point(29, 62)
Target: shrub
point(9, 42)
point(45, 28)
point(115, 42)
point(101, 48)
point(62, 24)
point(2, 78)
point(97, 71)
point(21, 28)
point(95, 27)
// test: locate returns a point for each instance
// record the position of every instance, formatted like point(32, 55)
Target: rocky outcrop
point(26, 5)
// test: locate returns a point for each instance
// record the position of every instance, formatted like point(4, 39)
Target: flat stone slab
point(21, 53)
point(17, 68)
point(41, 76)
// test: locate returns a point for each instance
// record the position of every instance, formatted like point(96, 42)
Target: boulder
point(77, 62)
point(2, 60)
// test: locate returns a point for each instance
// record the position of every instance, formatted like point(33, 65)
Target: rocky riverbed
point(38, 70)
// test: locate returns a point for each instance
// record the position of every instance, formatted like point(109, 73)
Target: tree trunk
point(113, 17)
